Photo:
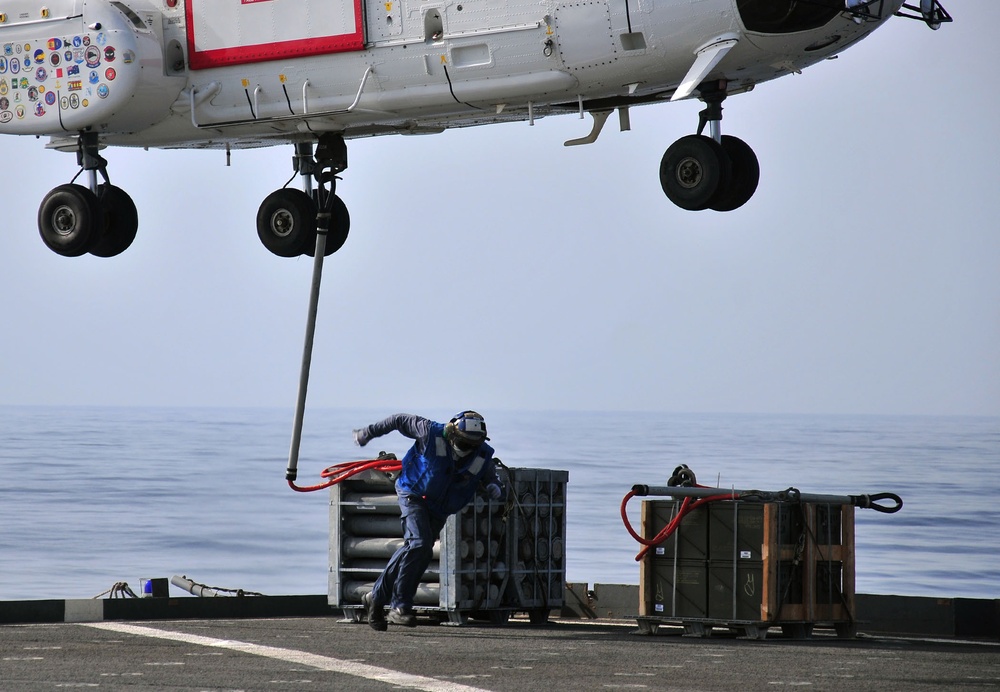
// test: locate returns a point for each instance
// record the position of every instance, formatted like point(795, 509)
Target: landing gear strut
point(100, 219)
point(717, 172)
point(289, 220)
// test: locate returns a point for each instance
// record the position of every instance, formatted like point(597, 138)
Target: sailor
point(440, 475)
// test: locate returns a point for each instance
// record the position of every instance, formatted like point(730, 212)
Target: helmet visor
point(463, 448)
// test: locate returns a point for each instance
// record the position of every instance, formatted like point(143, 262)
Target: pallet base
point(704, 628)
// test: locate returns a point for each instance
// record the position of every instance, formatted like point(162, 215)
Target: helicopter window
point(132, 16)
point(787, 16)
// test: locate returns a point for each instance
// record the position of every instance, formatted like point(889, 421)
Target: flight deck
point(327, 652)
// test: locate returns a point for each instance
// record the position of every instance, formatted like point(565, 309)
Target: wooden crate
point(826, 560)
point(750, 565)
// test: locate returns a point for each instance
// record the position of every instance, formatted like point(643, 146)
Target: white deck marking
point(361, 670)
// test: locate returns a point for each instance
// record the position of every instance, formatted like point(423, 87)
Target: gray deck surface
point(327, 653)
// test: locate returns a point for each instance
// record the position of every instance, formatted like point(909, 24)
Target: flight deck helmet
point(465, 432)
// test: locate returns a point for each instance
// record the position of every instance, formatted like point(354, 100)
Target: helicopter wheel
point(695, 172)
point(286, 222)
point(121, 221)
point(746, 175)
point(68, 220)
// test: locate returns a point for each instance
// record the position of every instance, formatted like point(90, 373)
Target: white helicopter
point(232, 74)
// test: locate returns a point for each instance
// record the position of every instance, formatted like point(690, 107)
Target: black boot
point(376, 618)
point(401, 617)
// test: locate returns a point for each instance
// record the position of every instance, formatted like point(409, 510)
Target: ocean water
point(94, 496)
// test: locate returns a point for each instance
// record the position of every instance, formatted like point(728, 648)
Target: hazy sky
point(495, 268)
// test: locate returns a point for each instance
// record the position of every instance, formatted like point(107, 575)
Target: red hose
point(686, 508)
point(341, 472)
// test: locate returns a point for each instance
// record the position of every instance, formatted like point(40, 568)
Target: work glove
point(494, 491)
point(360, 437)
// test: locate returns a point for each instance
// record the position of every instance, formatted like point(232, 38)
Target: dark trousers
point(399, 581)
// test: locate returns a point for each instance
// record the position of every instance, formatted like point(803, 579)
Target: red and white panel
point(232, 32)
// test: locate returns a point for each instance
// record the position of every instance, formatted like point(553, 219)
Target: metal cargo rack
point(491, 559)
point(748, 566)
point(537, 540)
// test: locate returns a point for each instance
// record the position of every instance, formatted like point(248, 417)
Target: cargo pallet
point(489, 561)
point(747, 566)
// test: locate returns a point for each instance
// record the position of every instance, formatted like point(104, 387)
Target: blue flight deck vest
point(446, 485)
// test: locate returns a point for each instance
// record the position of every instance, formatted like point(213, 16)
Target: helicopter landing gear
point(718, 172)
point(693, 171)
point(121, 221)
point(68, 219)
point(100, 219)
point(286, 221)
point(289, 220)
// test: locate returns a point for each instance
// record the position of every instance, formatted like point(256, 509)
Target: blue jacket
point(430, 470)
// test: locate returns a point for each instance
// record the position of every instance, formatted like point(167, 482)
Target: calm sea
point(94, 496)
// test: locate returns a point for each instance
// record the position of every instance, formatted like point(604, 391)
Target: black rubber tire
point(693, 171)
point(746, 175)
point(120, 222)
point(340, 227)
point(286, 222)
point(68, 220)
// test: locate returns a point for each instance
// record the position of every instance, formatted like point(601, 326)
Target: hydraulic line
point(386, 463)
